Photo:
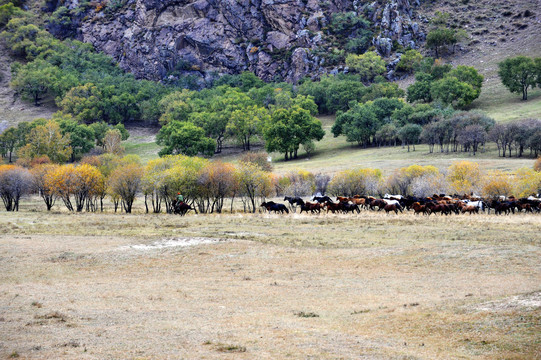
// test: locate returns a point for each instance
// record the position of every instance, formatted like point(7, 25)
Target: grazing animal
point(347, 207)
point(312, 207)
point(470, 208)
point(181, 208)
point(293, 201)
point(418, 208)
point(393, 207)
point(322, 199)
point(438, 208)
point(379, 203)
point(333, 207)
point(272, 206)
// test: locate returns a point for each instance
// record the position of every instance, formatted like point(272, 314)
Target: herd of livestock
point(436, 204)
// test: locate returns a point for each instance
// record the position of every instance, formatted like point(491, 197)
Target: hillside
point(498, 30)
point(275, 39)
point(495, 32)
point(12, 109)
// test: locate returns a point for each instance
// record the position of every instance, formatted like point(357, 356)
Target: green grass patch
point(145, 150)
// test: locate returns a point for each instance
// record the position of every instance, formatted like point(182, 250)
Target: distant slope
point(497, 30)
point(12, 109)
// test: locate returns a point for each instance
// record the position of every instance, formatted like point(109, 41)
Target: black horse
point(181, 208)
point(272, 206)
point(350, 208)
point(294, 201)
point(322, 199)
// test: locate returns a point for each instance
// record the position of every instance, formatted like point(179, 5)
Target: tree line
point(90, 88)
point(59, 140)
point(207, 184)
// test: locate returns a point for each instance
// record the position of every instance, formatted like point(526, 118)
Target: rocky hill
point(276, 39)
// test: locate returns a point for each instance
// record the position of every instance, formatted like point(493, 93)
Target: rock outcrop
point(276, 39)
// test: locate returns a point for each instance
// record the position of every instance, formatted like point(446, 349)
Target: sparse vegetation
point(303, 314)
point(391, 261)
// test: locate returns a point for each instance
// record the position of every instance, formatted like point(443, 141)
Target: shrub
point(409, 61)
point(261, 159)
point(15, 181)
point(464, 177)
point(125, 181)
point(356, 182)
point(537, 164)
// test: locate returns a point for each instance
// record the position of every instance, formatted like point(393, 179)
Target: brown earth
point(105, 286)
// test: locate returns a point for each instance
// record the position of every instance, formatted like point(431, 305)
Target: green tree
point(438, 38)
point(409, 135)
point(409, 61)
point(22, 36)
point(47, 140)
point(9, 140)
point(34, 80)
point(420, 90)
point(469, 75)
point(287, 129)
point(184, 138)
point(519, 73)
point(368, 65)
point(7, 11)
point(82, 138)
point(124, 134)
point(247, 123)
point(385, 107)
point(84, 102)
point(358, 124)
point(100, 128)
point(451, 91)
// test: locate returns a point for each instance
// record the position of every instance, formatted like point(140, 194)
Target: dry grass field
point(258, 286)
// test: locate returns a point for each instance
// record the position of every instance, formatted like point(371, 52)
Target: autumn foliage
point(125, 181)
point(206, 185)
point(81, 184)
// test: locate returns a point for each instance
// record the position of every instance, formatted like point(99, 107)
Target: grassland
point(336, 154)
point(369, 286)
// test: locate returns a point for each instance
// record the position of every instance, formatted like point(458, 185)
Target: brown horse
point(393, 207)
point(312, 207)
point(438, 208)
point(358, 201)
point(470, 208)
point(342, 199)
point(377, 203)
point(333, 207)
point(418, 208)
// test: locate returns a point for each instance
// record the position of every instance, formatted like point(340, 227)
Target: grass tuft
point(303, 314)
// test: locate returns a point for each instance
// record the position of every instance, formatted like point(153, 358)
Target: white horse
point(388, 196)
point(391, 202)
point(478, 204)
